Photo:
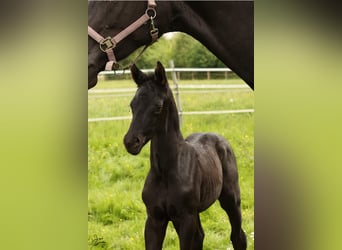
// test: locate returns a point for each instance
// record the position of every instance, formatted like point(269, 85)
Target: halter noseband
point(108, 44)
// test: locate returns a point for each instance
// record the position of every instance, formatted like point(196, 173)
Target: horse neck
point(192, 18)
point(164, 144)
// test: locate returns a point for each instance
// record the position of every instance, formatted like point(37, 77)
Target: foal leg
point(230, 202)
point(199, 236)
point(230, 197)
point(154, 233)
point(190, 236)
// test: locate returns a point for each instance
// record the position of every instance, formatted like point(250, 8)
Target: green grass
point(115, 178)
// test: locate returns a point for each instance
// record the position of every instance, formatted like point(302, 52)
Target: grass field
point(116, 213)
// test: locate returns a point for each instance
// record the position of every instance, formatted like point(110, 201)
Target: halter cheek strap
point(109, 51)
point(108, 44)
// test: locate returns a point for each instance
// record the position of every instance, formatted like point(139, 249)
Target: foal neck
point(165, 143)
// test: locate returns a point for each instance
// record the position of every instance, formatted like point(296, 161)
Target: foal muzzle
point(134, 143)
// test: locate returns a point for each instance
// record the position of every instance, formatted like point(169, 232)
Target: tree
point(191, 53)
point(182, 48)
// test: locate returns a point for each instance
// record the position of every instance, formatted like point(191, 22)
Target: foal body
point(186, 176)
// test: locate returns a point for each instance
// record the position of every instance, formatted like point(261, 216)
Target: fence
point(213, 112)
point(176, 90)
point(181, 73)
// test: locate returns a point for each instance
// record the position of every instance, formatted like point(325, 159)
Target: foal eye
point(158, 109)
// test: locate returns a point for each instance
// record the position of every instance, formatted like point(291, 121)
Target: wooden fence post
point(175, 82)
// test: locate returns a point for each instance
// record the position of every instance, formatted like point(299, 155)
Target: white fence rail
point(212, 112)
point(183, 86)
point(173, 70)
point(176, 88)
point(120, 72)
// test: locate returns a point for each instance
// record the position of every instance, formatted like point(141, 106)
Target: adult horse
point(186, 176)
point(224, 27)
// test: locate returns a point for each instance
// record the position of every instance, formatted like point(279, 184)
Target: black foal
point(186, 176)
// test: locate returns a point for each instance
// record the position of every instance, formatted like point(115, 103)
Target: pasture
point(116, 213)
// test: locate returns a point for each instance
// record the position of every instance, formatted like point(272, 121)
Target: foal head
point(149, 106)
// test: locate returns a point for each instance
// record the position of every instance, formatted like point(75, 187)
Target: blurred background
point(43, 101)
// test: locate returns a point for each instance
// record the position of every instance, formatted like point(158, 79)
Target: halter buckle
point(116, 66)
point(107, 44)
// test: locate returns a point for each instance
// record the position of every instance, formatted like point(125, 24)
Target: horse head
point(108, 19)
point(148, 106)
point(226, 28)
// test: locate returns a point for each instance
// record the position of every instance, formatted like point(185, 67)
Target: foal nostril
point(132, 140)
point(134, 143)
point(136, 140)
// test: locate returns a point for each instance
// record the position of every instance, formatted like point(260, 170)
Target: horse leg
point(154, 233)
point(230, 202)
point(188, 232)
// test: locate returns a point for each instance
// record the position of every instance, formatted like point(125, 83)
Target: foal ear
point(138, 76)
point(160, 74)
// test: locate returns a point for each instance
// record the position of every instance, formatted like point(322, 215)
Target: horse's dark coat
point(186, 176)
point(226, 28)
